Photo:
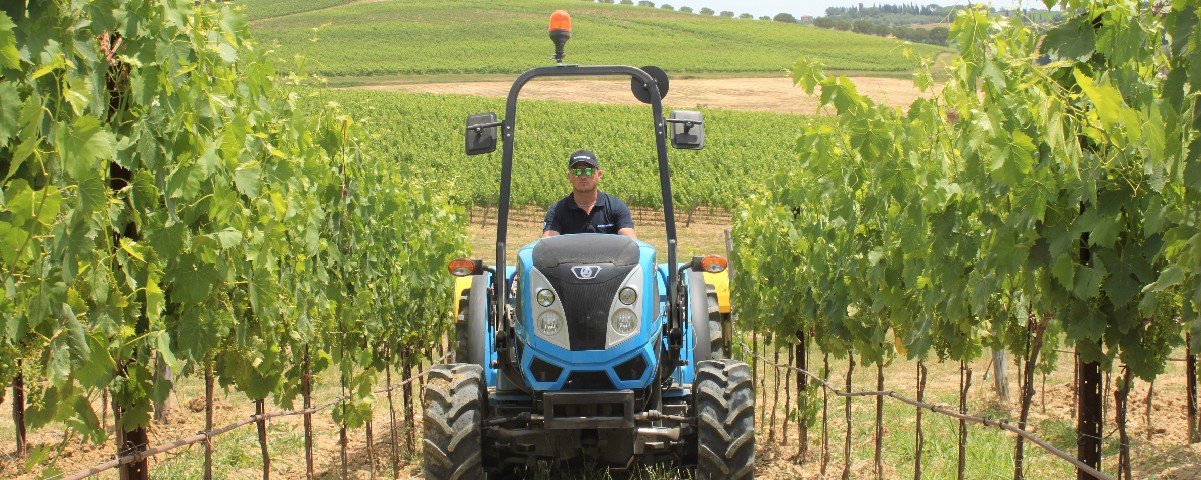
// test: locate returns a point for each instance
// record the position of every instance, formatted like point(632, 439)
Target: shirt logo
point(586, 272)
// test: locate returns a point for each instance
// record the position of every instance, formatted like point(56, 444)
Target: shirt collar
point(602, 200)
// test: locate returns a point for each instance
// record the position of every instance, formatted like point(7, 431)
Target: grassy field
point(392, 37)
point(423, 135)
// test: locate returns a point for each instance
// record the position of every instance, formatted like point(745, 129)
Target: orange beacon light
point(560, 32)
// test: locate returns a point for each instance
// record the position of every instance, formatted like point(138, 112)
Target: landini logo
point(586, 272)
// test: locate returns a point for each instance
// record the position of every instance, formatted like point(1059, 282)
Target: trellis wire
point(206, 435)
point(937, 409)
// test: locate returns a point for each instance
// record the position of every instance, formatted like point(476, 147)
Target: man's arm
point(624, 220)
point(550, 225)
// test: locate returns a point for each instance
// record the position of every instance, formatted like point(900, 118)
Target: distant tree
point(686, 9)
point(784, 17)
point(727, 14)
point(627, 2)
point(881, 30)
point(842, 25)
point(667, 7)
point(938, 35)
point(746, 16)
point(863, 26)
point(823, 22)
point(765, 18)
point(707, 11)
point(646, 3)
point(604, 1)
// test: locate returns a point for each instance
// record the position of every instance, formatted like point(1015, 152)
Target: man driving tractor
point(587, 209)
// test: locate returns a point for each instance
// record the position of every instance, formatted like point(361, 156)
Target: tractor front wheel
point(454, 416)
point(725, 406)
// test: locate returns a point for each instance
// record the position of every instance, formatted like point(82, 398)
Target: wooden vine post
point(1089, 419)
point(825, 415)
point(965, 383)
point(392, 417)
point(802, 385)
point(408, 399)
point(370, 444)
point(775, 360)
point(1190, 372)
point(19, 411)
point(787, 395)
point(1120, 396)
point(846, 450)
point(306, 391)
point(879, 458)
point(755, 375)
point(1147, 417)
point(260, 410)
point(918, 438)
point(208, 419)
point(116, 81)
point(1033, 346)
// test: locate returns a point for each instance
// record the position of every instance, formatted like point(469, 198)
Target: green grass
point(422, 134)
point(393, 37)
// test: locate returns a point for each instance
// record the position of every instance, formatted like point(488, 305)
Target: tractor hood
point(616, 250)
point(586, 271)
point(575, 331)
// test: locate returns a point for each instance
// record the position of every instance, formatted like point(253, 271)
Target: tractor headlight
point(549, 323)
point(624, 321)
point(627, 295)
point(546, 297)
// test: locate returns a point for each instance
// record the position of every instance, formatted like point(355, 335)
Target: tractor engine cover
point(586, 270)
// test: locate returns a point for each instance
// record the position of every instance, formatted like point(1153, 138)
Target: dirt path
point(756, 94)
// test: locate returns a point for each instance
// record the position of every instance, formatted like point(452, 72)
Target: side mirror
point(687, 130)
point(481, 133)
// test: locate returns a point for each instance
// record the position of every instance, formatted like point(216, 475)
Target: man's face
point(583, 177)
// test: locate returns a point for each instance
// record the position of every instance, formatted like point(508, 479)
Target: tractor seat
point(585, 248)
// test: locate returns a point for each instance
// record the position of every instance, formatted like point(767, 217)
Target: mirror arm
point(688, 124)
point(479, 127)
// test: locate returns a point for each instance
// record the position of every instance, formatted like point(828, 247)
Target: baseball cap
point(582, 156)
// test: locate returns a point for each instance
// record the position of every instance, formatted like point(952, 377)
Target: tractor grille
point(586, 298)
point(587, 308)
point(545, 372)
point(632, 369)
point(588, 381)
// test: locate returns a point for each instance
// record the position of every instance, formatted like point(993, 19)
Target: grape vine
point(168, 196)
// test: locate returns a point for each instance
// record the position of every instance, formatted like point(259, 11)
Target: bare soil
point(753, 94)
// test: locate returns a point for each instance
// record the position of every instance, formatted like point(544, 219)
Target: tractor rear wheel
point(725, 408)
point(454, 415)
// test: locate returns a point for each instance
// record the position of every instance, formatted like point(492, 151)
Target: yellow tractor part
point(721, 284)
point(462, 284)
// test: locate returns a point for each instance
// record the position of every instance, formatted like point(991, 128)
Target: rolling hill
point(405, 37)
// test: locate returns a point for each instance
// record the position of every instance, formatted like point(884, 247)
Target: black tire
point(725, 407)
point(717, 348)
point(454, 416)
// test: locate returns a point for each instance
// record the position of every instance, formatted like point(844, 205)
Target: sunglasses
point(587, 171)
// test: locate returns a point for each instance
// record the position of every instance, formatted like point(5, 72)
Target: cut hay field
point(390, 37)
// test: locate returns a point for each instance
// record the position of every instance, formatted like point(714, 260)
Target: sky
point(816, 8)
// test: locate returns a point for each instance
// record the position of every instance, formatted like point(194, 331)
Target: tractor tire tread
point(725, 406)
point(454, 413)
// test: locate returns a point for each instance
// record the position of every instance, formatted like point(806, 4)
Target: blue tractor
point(589, 352)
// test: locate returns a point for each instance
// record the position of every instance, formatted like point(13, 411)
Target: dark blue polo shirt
point(608, 216)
